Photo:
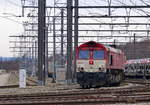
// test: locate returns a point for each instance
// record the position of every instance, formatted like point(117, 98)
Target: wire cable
point(10, 19)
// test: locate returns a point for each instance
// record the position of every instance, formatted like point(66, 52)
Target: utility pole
point(41, 41)
point(134, 47)
point(62, 36)
point(46, 53)
point(54, 52)
point(69, 42)
point(22, 3)
point(75, 37)
point(109, 9)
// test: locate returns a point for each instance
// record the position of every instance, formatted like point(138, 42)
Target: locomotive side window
point(84, 54)
point(111, 60)
point(98, 54)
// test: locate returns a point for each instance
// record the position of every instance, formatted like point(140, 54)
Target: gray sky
point(9, 8)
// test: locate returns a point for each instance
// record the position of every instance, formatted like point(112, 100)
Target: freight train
point(137, 68)
point(99, 65)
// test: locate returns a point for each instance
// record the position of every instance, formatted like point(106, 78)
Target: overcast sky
point(8, 27)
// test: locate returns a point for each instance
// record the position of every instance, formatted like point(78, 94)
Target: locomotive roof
point(95, 44)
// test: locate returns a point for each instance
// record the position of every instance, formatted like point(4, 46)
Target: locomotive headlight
point(81, 69)
point(99, 68)
point(102, 69)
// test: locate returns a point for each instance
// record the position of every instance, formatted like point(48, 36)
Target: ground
point(4, 78)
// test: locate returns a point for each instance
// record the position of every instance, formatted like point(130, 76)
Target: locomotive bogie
point(91, 79)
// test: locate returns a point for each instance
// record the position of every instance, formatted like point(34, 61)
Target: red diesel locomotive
point(99, 65)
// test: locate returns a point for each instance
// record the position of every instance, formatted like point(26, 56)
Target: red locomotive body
point(116, 60)
point(98, 64)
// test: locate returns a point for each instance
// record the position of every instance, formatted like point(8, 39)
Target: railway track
point(80, 99)
point(133, 94)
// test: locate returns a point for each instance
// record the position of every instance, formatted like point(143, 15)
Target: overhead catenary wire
point(4, 17)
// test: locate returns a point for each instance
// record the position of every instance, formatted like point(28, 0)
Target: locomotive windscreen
point(98, 54)
point(84, 54)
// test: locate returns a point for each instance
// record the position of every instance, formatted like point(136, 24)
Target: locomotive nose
point(91, 62)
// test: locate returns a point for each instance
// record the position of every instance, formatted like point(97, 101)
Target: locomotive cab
point(91, 60)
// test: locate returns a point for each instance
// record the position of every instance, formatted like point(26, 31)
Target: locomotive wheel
point(86, 86)
point(82, 86)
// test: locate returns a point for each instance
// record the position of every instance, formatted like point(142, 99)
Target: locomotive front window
point(98, 54)
point(84, 54)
